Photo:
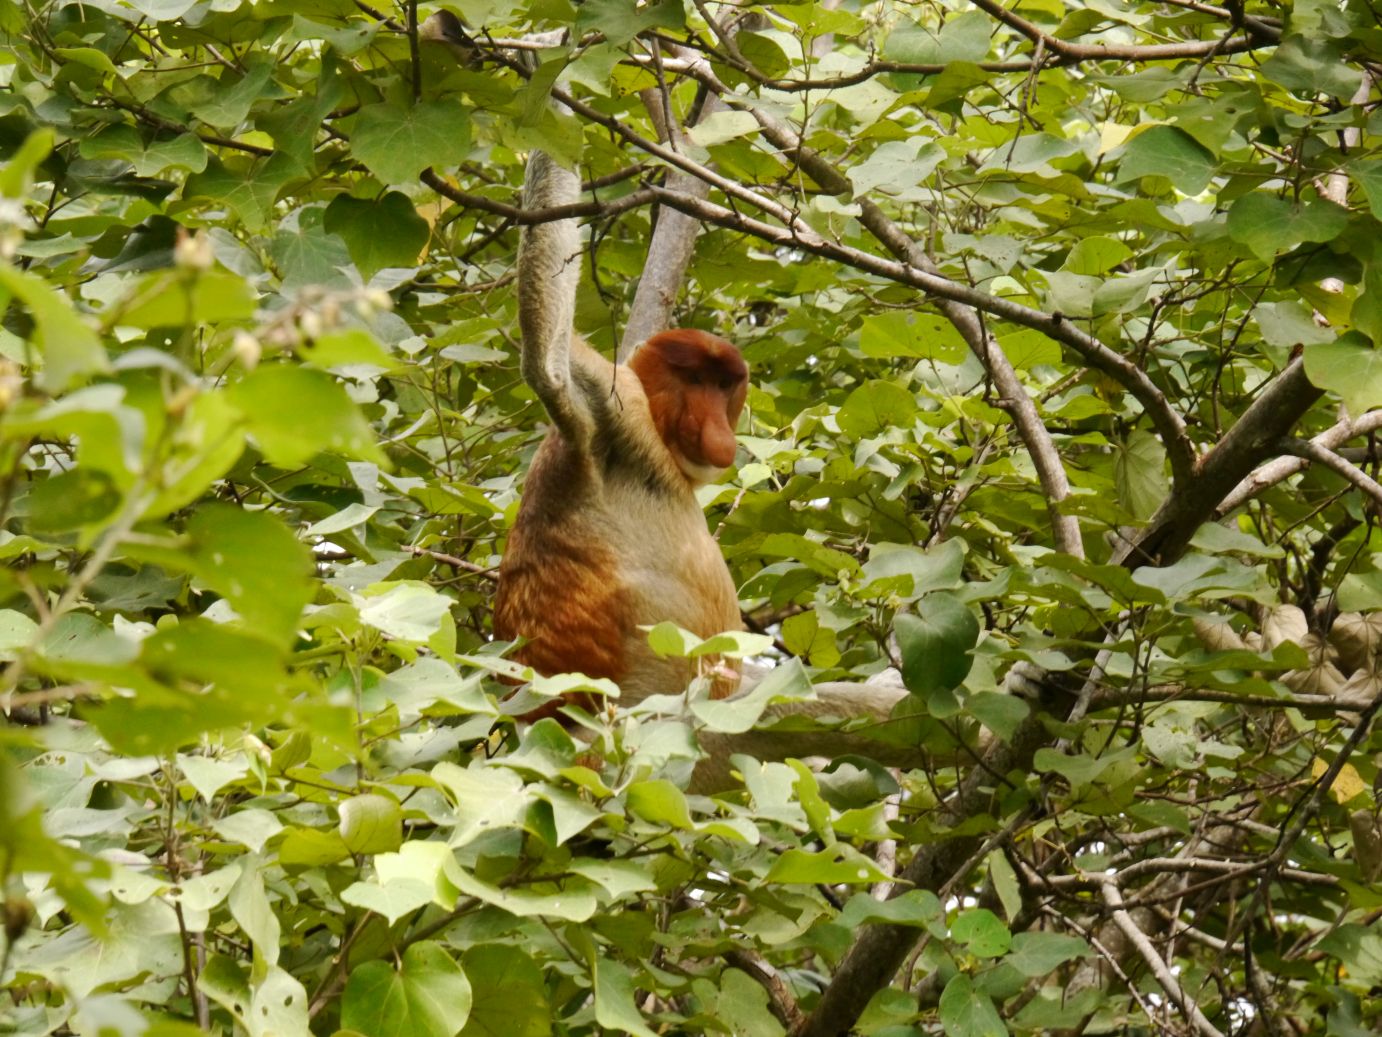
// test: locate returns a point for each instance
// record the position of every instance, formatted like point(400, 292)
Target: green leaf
point(184, 151)
point(919, 908)
point(1349, 366)
point(840, 864)
point(510, 995)
point(1095, 256)
point(307, 255)
point(208, 775)
point(308, 848)
point(17, 174)
point(660, 802)
point(614, 1004)
point(875, 408)
point(763, 53)
point(381, 233)
point(252, 559)
point(936, 643)
point(249, 906)
point(69, 350)
point(999, 712)
point(1359, 948)
point(937, 568)
point(249, 189)
point(1289, 324)
point(896, 167)
point(1139, 471)
point(1368, 174)
point(926, 336)
point(348, 347)
point(71, 500)
point(392, 900)
point(397, 142)
point(982, 933)
point(825, 560)
point(371, 823)
point(965, 1012)
point(1005, 885)
point(194, 677)
point(487, 799)
point(229, 102)
point(407, 611)
point(1036, 954)
point(1170, 152)
point(723, 126)
point(183, 298)
point(574, 900)
point(1271, 226)
point(1079, 769)
point(621, 21)
point(295, 413)
point(786, 681)
point(429, 995)
point(1310, 65)
point(16, 632)
point(964, 36)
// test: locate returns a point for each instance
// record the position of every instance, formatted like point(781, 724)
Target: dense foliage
point(1061, 319)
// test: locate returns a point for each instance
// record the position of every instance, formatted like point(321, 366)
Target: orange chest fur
point(588, 564)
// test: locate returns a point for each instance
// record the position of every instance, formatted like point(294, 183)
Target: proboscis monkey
point(609, 537)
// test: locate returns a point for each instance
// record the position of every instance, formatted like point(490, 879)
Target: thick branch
point(880, 950)
point(1095, 354)
point(1168, 423)
point(669, 253)
point(1269, 418)
point(1325, 457)
point(1155, 962)
point(1259, 34)
point(1129, 52)
point(1282, 468)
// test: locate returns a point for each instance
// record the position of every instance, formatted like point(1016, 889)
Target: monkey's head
point(695, 383)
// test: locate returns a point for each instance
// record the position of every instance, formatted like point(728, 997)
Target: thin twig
point(1139, 940)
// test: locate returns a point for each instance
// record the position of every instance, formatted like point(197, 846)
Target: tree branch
point(1095, 354)
point(529, 217)
point(1130, 52)
point(1164, 418)
point(1321, 455)
point(879, 950)
point(1155, 962)
point(1270, 417)
point(1282, 468)
point(669, 252)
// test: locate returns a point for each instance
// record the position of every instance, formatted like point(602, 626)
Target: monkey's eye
point(694, 379)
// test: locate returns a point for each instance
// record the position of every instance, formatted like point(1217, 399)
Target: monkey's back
point(600, 550)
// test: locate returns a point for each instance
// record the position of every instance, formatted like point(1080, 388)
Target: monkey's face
point(696, 384)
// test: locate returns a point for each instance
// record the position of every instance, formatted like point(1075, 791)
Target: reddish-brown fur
point(610, 538)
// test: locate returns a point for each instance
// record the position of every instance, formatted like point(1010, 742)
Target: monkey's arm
point(549, 268)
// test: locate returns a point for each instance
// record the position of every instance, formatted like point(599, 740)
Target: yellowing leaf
point(1347, 784)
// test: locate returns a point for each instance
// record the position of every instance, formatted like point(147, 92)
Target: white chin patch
point(700, 474)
